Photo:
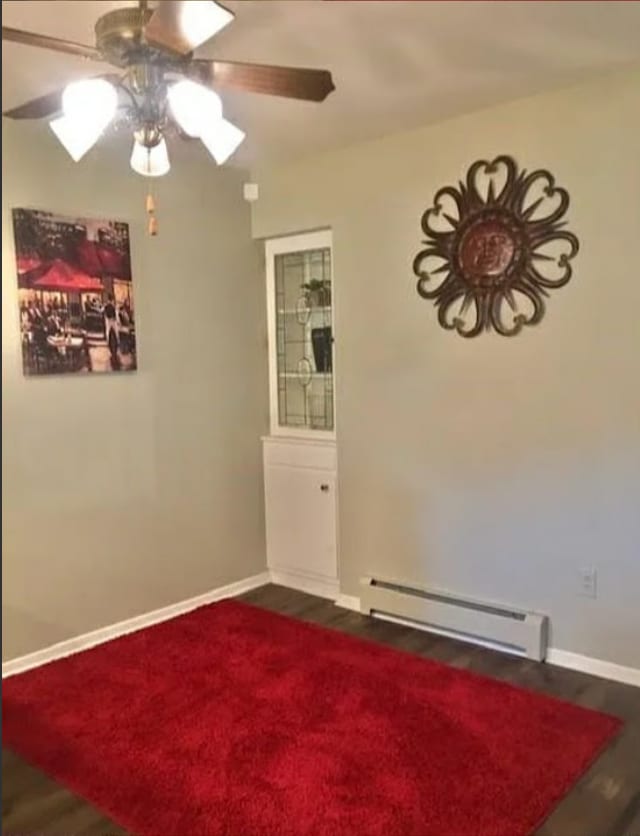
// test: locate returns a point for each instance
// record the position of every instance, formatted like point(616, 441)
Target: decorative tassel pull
point(152, 225)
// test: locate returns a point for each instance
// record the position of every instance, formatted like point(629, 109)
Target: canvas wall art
point(75, 292)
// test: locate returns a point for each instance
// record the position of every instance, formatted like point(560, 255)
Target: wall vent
point(505, 628)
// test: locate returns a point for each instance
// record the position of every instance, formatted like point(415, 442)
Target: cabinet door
point(301, 333)
point(301, 520)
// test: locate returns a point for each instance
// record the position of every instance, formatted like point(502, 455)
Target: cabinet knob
point(324, 488)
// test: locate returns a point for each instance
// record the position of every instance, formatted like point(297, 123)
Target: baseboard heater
point(511, 630)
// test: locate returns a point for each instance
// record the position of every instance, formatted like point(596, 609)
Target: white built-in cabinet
point(300, 467)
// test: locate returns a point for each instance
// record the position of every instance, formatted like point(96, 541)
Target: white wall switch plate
point(251, 192)
point(588, 582)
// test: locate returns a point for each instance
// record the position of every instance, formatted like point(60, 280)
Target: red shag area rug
point(235, 721)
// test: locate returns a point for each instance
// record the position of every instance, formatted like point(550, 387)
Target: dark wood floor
point(606, 802)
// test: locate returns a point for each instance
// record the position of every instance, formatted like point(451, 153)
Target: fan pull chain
point(152, 225)
point(150, 203)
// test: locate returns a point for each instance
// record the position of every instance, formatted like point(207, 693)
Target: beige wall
point(123, 493)
point(491, 467)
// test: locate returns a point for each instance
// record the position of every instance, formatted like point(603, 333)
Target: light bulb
point(196, 108)
point(150, 162)
point(222, 139)
point(88, 106)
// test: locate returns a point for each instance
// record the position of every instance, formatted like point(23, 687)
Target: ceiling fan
point(162, 88)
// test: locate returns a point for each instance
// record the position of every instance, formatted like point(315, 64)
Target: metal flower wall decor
point(495, 248)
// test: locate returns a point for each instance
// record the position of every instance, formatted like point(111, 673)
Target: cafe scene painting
point(75, 292)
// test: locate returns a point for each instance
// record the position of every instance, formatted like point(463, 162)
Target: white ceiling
point(396, 64)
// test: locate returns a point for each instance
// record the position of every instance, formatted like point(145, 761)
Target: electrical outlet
point(588, 582)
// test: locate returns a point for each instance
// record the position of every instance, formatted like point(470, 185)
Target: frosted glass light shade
point(222, 139)
point(195, 107)
point(88, 106)
point(76, 135)
point(150, 162)
point(91, 100)
point(200, 21)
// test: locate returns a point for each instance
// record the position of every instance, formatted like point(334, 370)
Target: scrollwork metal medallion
point(495, 248)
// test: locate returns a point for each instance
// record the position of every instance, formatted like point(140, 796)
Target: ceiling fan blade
point(183, 25)
point(48, 105)
point(290, 82)
point(19, 36)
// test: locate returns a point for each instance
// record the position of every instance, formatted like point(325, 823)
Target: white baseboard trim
point(130, 625)
point(324, 588)
point(596, 667)
point(348, 602)
point(306, 582)
point(555, 656)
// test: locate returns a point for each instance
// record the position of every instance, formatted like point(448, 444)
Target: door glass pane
point(304, 339)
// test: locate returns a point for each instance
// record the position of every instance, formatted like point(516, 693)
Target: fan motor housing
point(120, 38)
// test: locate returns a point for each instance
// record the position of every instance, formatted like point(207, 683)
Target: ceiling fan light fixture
point(200, 21)
point(195, 108)
point(160, 85)
point(222, 140)
point(150, 162)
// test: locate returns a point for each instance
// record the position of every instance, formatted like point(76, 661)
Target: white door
point(301, 520)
